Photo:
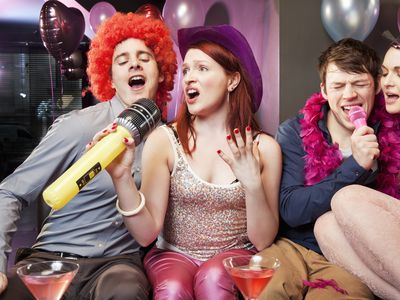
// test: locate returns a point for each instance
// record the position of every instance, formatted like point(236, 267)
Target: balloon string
point(62, 86)
point(52, 89)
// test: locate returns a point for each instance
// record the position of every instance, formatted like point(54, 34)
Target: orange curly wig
point(118, 28)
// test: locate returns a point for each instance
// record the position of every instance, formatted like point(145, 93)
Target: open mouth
point(347, 108)
point(136, 81)
point(391, 97)
point(192, 93)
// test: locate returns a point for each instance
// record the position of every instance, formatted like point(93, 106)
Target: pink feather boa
point(323, 283)
point(388, 180)
point(323, 158)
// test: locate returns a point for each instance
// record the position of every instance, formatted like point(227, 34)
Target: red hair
point(118, 28)
point(240, 112)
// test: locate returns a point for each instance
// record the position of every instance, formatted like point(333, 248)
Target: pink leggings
point(176, 276)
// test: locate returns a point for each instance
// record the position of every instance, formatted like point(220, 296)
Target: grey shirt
point(89, 225)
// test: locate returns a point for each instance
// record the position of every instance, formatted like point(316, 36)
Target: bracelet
point(134, 211)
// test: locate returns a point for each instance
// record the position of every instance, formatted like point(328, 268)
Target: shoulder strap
point(173, 138)
point(175, 133)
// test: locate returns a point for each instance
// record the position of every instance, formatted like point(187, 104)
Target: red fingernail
point(248, 128)
point(219, 151)
point(105, 130)
point(228, 137)
point(236, 130)
point(125, 140)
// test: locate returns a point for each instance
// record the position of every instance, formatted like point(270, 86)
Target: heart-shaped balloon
point(349, 19)
point(61, 28)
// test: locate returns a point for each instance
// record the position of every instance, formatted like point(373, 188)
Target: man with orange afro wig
point(130, 58)
point(155, 36)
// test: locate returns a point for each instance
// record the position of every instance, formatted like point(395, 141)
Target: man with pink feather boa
point(362, 232)
point(322, 153)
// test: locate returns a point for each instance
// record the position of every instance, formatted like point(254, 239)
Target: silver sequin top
point(202, 219)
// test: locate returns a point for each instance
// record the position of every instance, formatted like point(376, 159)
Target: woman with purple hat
point(210, 179)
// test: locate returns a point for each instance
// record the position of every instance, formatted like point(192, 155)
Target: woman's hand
point(122, 164)
point(245, 160)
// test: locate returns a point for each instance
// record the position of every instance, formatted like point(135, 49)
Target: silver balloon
point(349, 18)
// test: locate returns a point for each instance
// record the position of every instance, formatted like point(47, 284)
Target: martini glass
point(251, 273)
point(48, 280)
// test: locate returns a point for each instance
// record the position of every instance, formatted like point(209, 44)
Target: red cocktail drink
point(251, 274)
point(48, 280)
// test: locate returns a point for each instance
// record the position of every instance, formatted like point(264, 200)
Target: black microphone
point(136, 121)
point(140, 119)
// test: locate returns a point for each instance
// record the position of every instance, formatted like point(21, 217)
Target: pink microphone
point(358, 116)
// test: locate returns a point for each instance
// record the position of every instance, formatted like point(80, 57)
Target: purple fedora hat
point(231, 39)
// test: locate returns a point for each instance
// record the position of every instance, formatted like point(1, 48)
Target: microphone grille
point(140, 119)
point(357, 112)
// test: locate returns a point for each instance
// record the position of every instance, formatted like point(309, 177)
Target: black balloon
point(73, 74)
point(149, 11)
point(73, 61)
point(61, 28)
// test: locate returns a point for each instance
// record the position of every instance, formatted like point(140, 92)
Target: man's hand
point(364, 146)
